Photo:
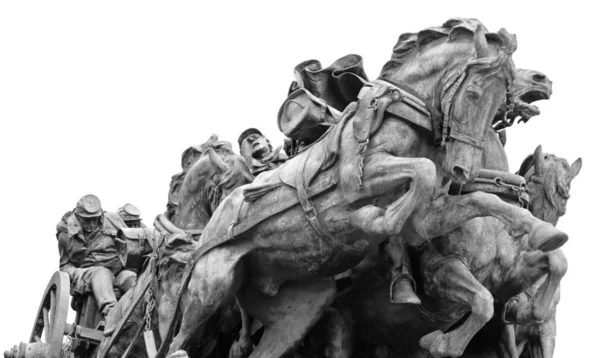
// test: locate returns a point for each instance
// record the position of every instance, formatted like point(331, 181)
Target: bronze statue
point(391, 227)
point(88, 254)
point(259, 152)
point(465, 271)
point(311, 218)
point(213, 175)
point(130, 215)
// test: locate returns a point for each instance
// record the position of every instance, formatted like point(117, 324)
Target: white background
point(102, 98)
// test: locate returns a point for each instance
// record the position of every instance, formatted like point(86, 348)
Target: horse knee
point(483, 305)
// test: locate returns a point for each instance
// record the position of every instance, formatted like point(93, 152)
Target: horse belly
point(288, 247)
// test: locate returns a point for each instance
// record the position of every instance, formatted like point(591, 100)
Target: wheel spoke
point(52, 312)
point(46, 323)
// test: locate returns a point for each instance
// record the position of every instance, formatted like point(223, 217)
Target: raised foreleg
point(386, 175)
point(215, 280)
point(447, 212)
point(537, 303)
point(454, 281)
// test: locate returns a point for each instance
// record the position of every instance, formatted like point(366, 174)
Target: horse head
point(463, 73)
point(216, 173)
point(549, 180)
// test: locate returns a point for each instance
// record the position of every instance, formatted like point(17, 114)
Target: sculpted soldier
point(258, 151)
point(88, 254)
point(131, 216)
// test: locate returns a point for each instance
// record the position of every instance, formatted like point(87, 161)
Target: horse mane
point(546, 196)
point(452, 30)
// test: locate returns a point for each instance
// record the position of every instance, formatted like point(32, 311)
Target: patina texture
point(387, 225)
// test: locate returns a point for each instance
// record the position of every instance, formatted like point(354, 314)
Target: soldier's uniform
point(90, 258)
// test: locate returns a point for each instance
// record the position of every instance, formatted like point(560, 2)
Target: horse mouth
point(533, 95)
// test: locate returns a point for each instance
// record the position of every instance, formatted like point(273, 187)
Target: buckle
point(310, 213)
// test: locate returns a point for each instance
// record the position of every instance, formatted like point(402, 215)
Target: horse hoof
point(546, 237)
point(178, 354)
point(427, 341)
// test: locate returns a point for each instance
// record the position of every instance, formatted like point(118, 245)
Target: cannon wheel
point(51, 318)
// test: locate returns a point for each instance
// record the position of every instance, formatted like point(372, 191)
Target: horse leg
point(288, 316)
point(337, 324)
point(243, 346)
point(507, 345)
point(555, 264)
point(215, 279)
point(454, 281)
point(387, 174)
point(447, 212)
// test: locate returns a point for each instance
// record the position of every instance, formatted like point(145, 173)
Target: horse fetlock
point(440, 344)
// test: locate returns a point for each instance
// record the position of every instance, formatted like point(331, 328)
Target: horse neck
point(191, 212)
point(425, 72)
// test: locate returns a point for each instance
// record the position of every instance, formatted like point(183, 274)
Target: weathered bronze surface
point(386, 225)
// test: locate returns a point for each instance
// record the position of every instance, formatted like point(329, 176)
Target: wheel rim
point(51, 318)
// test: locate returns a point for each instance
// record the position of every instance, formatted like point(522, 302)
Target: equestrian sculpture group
point(390, 228)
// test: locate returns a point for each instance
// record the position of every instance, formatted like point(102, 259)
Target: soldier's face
point(89, 224)
point(260, 146)
point(133, 223)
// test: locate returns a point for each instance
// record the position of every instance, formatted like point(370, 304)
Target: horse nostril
point(460, 174)
point(539, 78)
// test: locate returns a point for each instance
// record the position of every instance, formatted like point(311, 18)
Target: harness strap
point(466, 139)
point(309, 210)
point(234, 231)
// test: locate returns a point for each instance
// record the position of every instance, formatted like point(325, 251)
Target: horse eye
point(562, 191)
point(472, 96)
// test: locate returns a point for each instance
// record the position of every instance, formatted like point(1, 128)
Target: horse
point(461, 273)
point(211, 178)
point(516, 331)
point(274, 245)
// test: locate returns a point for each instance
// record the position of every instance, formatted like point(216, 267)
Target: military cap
point(89, 207)
point(246, 133)
point(129, 212)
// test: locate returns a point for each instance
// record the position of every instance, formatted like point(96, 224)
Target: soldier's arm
point(65, 264)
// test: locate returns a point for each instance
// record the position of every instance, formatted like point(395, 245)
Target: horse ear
point(481, 45)
point(538, 160)
point(575, 168)
point(217, 161)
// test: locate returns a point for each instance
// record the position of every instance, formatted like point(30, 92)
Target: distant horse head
point(549, 180)
point(463, 73)
point(213, 176)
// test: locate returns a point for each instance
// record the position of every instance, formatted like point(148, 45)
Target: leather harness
point(382, 96)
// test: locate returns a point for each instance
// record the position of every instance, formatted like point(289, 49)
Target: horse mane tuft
point(452, 29)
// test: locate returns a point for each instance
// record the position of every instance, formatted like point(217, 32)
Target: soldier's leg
point(101, 280)
point(402, 286)
point(125, 280)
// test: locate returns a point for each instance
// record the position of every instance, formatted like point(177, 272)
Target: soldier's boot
point(102, 286)
point(402, 289)
point(402, 286)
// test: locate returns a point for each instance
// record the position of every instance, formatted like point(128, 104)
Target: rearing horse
point(276, 243)
point(214, 175)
